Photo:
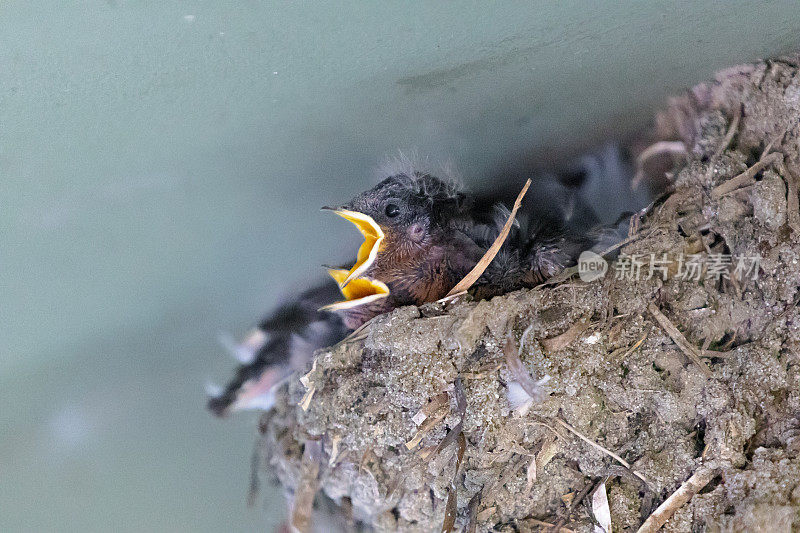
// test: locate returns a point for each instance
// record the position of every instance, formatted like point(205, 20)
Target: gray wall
point(161, 166)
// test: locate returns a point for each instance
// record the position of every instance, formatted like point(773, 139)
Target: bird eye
point(392, 210)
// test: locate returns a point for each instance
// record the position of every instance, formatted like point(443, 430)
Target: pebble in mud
point(769, 201)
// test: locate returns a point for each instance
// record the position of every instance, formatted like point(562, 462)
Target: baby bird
point(281, 344)
point(422, 235)
point(415, 244)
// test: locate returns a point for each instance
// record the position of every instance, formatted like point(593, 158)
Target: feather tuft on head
point(424, 177)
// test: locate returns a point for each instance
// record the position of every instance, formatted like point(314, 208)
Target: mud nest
point(408, 426)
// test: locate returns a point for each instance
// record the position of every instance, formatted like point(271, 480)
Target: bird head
point(401, 213)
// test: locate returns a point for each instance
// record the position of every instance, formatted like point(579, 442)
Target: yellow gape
point(358, 292)
point(373, 239)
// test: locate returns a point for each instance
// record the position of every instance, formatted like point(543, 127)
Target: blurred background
point(161, 169)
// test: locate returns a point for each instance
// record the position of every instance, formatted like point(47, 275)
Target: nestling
point(422, 235)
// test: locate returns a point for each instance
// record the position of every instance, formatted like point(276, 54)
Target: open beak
point(360, 291)
point(373, 239)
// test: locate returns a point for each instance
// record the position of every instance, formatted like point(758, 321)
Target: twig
point(606, 451)
point(627, 240)
point(777, 139)
point(450, 297)
point(451, 508)
point(461, 407)
point(710, 354)
point(450, 512)
point(472, 511)
point(548, 426)
point(303, 503)
point(509, 473)
point(677, 337)
point(537, 522)
point(689, 488)
point(726, 141)
point(438, 401)
point(747, 176)
point(634, 347)
point(792, 201)
point(423, 430)
point(660, 147)
point(559, 342)
point(732, 129)
point(574, 505)
point(487, 258)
